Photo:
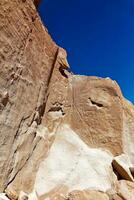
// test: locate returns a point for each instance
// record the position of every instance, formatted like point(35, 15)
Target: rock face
point(62, 136)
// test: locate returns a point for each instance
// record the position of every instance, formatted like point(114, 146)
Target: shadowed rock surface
point(62, 136)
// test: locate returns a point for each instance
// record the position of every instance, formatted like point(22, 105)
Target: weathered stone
point(89, 168)
point(11, 194)
point(23, 196)
point(125, 189)
point(27, 56)
point(96, 105)
point(128, 129)
point(87, 195)
point(3, 196)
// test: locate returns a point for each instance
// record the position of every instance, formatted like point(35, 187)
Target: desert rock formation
point(62, 136)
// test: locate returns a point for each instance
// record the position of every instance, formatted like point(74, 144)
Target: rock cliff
point(62, 136)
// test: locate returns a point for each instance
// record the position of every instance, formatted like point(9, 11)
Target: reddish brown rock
point(121, 165)
point(27, 56)
point(97, 106)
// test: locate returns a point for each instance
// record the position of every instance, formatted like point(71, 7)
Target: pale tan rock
point(23, 196)
point(62, 55)
point(128, 129)
point(78, 166)
point(115, 197)
point(87, 195)
point(27, 56)
point(58, 193)
point(11, 194)
point(125, 189)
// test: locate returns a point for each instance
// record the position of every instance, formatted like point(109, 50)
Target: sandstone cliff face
point(27, 57)
point(62, 136)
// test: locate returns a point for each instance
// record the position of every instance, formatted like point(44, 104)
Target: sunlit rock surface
point(75, 162)
point(62, 136)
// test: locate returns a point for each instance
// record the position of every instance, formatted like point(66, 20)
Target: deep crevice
point(18, 130)
point(100, 105)
point(119, 177)
point(62, 71)
point(120, 172)
point(132, 171)
point(42, 107)
point(58, 108)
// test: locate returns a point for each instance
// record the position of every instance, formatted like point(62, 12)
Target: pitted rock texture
point(97, 106)
point(27, 58)
point(62, 136)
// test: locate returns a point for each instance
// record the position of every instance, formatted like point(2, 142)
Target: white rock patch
point(73, 164)
point(3, 196)
point(128, 139)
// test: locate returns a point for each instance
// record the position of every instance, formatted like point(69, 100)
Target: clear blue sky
point(98, 36)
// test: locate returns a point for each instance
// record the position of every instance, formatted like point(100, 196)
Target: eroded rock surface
point(62, 136)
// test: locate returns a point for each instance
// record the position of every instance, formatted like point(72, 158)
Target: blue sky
point(98, 36)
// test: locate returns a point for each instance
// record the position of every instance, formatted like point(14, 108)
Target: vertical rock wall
point(27, 57)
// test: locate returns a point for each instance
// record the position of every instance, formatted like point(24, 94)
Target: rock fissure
point(62, 70)
point(100, 105)
point(23, 165)
point(19, 129)
point(42, 107)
